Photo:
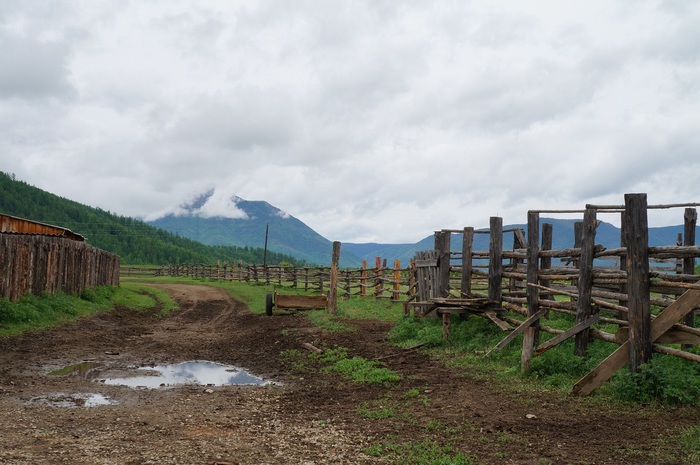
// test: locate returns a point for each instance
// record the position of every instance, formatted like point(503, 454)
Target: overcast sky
point(369, 120)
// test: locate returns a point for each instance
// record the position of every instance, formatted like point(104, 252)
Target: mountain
point(607, 235)
point(134, 241)
point(239, 222)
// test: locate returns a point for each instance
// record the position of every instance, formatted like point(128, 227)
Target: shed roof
point(15, 225)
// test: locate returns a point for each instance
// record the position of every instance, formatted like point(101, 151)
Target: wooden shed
point(13, 225)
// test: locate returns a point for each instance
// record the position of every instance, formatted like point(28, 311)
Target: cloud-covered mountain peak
point(215, 203)
point(212, 204)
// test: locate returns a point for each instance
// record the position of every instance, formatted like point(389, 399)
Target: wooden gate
point(427, 275)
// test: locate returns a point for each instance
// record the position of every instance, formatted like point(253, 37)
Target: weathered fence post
point(690, 220)
point(333, 289)
point(530, 335)
point(348, 284)
point(639, 315)
point(585, 280)
point(397, 281)
point(378, 276)
point(496, 259)
point(363, 279)
point(442, 246)
point(467, 246)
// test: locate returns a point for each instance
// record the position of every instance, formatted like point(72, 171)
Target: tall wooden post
point(333, 285)
point(496, 259)
point(363, 279)
point(584, 310)
point(530, 335)
point(397, 281)
point(690, 220)
point(442, 245)
point(637, 234)
point(378, 277)
point(467, 246)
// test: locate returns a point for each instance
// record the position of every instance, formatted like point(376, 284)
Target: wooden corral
point(524, 281)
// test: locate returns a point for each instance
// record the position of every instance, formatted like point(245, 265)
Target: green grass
point(689, 441)
point(425, 452)
point(37, 312)
point(666, 381)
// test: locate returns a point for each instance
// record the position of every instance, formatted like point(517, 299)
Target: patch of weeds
point(411, 393)
point(297, 359)
point(420, 453)
point(689, 441)
point(361, 371)
point(434, 425)
point(328, 322)
point(378, 410)
point(332, 355)
point(666, 380)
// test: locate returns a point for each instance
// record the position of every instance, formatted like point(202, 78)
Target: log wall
point(36, 264)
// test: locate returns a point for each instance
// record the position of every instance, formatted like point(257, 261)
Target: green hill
point(286, 234)
point(134, 241)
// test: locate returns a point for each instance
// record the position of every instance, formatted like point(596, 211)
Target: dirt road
point(310, 417)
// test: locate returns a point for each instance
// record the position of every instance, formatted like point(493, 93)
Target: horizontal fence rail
point(379, 282)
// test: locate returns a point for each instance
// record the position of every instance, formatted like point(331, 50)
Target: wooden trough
point(294, 302)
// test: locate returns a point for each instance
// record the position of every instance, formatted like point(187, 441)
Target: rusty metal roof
point(14, 225)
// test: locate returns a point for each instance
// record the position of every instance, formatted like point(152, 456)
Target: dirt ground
point(310, 417)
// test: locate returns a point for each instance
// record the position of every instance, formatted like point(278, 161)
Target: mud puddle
point(64, 400)
point(197, 372)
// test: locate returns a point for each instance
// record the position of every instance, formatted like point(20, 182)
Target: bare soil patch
point(311, 418)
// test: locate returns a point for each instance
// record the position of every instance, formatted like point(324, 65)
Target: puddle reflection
point(194, 372)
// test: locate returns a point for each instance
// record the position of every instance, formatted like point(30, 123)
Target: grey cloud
point(31, 69)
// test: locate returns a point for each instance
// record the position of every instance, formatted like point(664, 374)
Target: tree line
point(133, 240)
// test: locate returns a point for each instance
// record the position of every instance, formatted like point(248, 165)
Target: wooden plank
point(524, 325)
point(491, 315)
point(542, 348)
point(467, 247)
point(300, 301)
point(685, 304)
point(672, 336)
point(496, 258)
point(690, 221)
point(425, 262)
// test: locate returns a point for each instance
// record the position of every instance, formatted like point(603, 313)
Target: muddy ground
point(312, 417)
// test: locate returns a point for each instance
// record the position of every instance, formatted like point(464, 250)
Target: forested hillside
point(135, 241)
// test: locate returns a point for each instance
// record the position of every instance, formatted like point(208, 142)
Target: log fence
point(36, 264)
point(395, 284)
point(649, 293)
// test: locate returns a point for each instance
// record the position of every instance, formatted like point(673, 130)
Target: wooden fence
point(623, 291)
point(37, 264)
point(379, 282)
